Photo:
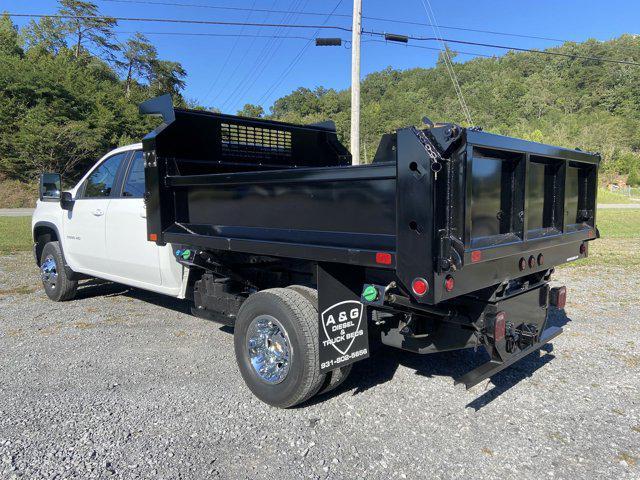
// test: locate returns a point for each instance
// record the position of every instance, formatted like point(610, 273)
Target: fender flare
point(70, 273)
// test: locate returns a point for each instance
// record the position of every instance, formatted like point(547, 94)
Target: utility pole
point(355, 81)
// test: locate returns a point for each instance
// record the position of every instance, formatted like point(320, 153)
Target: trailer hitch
point(496, 365)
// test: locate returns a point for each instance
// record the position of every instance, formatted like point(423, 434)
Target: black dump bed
point(435, 203)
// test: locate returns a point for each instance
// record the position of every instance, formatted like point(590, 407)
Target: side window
point(100, 182)
point(134, 186)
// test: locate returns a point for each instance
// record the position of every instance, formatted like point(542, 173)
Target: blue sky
point(256, 70)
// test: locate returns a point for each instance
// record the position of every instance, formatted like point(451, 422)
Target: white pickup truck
point(104, 235)
point(446, 241)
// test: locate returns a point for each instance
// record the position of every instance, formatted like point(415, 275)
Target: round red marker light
point(532, 261)
point(420, 286)
point(522, 264)
point(449, 283)
point(583, 248)
point(540, 259)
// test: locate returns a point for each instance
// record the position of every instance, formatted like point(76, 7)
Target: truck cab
point(99, 227)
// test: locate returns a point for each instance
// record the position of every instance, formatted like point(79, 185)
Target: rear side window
point(100, 182)
point(134, 185)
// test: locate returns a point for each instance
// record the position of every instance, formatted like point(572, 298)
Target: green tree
point(47, 34)
point(9, 37)
point(140, 56)
point(88, 28)
point(250, 110)
point(167, 77)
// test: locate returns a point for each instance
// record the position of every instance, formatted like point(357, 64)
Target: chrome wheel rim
point(269, 349)
point(49, 272)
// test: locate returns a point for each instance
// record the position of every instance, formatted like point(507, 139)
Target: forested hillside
point(69, 92)
point(570, 102)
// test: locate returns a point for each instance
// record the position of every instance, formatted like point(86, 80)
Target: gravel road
point(16, 212)
point(123, 384)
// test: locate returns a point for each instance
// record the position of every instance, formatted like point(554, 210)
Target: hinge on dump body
point(451, 252)
point(435, 157)
point(439, 142)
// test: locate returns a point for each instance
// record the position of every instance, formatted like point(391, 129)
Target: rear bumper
point(492, 367)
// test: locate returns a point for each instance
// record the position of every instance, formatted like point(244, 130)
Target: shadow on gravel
point(102, 288)
point(383, 364)
point(384, 361)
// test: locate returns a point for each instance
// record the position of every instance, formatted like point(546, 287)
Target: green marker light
point(370, 293)
point(186, 254)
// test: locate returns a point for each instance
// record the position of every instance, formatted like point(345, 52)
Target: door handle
point(98, 212)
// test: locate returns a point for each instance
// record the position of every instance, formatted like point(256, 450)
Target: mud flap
point(492, 367)
point(342, 318)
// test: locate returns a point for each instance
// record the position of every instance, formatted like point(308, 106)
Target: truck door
point(84, 225)
point(131, 256)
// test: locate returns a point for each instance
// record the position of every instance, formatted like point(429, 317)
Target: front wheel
point(276, 347)
point(55, 281)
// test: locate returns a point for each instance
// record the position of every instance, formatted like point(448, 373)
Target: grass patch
point(619, 223)
point(15, 234)
point(606, 196)
point(613, 252)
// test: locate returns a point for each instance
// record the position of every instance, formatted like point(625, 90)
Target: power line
point(265, 47)
point(226, 60)
point(331, 27)
point(434, 49)
point(175, 20)
point(322, 14)
point(265, 96)
point(292, 37)
point(265, 56)
point(447, 61)
point(229, 35)
point(529, 50)
point(252, 78)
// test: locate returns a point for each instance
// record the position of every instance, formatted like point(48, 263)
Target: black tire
point(336, 377)
point(298, 318)
point(57, 285)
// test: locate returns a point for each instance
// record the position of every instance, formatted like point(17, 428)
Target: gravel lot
point(123, 384)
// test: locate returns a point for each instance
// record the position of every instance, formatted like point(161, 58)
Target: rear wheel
point(335, 377)
point(276, 347)
point(57, 284)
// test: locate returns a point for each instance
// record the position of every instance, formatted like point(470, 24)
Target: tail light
point(449, 283)
point(500, 326)
point(420, 286)
point(558, 297)
point(383, 258)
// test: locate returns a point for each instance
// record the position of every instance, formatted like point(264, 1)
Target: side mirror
point(50, 186)
point(66, 201)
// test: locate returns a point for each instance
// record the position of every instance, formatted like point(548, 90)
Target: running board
point(492, 367)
